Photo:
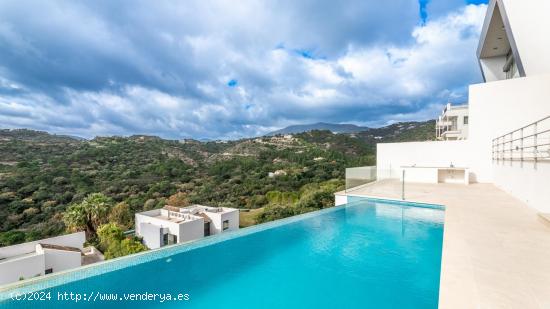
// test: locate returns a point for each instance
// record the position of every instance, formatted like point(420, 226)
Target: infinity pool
point(366, 254)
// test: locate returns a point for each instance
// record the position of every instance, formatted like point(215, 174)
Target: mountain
point(36, 136)
point(42, 174)
point(397, 132)
point(412, 131)
point(333, 127)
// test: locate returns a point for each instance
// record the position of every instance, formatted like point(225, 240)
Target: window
point(206, 229)
point(169, 239)
point(49, 271)
point(454, 121)
point(225, 225)
point(465, 119)
point(510, 66)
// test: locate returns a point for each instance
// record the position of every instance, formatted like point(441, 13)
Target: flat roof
point(18, 257)
point(185, 214)
point(185, 218)
point(58, 247)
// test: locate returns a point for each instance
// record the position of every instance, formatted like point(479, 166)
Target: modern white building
point(508, 135)
point(452, 124)
point(41, 257)
point(171, 225)
point(495, 244)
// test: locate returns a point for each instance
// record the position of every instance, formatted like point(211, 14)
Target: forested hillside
point(42, 174)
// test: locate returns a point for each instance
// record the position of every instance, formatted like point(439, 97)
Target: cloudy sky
point(226, 69)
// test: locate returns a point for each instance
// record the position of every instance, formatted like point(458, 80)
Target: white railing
point(529, 143)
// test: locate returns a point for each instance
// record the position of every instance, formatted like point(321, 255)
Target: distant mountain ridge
point(333, 127)
point(36, 136)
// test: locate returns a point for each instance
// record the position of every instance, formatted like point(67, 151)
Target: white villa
point(452, 124)
point(492, 174)
point(507, 140)
point(171, 225)
point(42, 257)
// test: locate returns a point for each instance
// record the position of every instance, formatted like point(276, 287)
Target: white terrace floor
point(496, 250)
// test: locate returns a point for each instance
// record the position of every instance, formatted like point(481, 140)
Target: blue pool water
point(368, 254)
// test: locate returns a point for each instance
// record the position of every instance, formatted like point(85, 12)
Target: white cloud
point(443, 52)
point(164, 70)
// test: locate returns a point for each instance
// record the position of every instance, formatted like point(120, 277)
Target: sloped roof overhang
point(496, 9)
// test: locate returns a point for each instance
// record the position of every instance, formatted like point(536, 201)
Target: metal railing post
point(535, 141)
point(521, 145)
point(498, 150)
point(403, 186)
point(511, 148)
point(493, 151)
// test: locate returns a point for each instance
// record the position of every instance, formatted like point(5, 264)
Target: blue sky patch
point(477, 1)
point(423, 10)
point(305, 53)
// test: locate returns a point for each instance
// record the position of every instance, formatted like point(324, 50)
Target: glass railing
point(357, 177)
point(410, 182)
point(402, 182)
point(374, 181)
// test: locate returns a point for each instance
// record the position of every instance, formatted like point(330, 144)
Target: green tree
point(179, 199)
point(124, 247)
point(108, 234)
point(113, 244)
point(131, 246)
point(89, 214)
point(275, 212)
point(11, 237)
point(121, 215)
point(281, 198)
point(318, 199)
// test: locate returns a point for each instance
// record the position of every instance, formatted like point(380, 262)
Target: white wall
point(29, 260)
point(233, 217)
point(150, 233)
point(185, 231)
point(340, 199)
point(492, 68)
point(497, 108)
point(421, 175)
point(60, 260)
point(191, 230)
point(71, 240)
point(216, 226)
point(392, 156)
point(526, 182)
point(27, 267)
point(147, 217)
point(529, 23)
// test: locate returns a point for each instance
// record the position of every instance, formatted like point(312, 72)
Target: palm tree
point(89, 214)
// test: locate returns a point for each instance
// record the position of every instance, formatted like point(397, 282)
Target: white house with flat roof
point(452, 124)
point(508, 116)
point(41, 257)
point(171, 225)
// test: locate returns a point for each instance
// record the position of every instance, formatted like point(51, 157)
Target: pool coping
point(91, 270)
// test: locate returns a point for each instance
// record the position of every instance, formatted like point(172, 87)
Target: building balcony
point(444, 123)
